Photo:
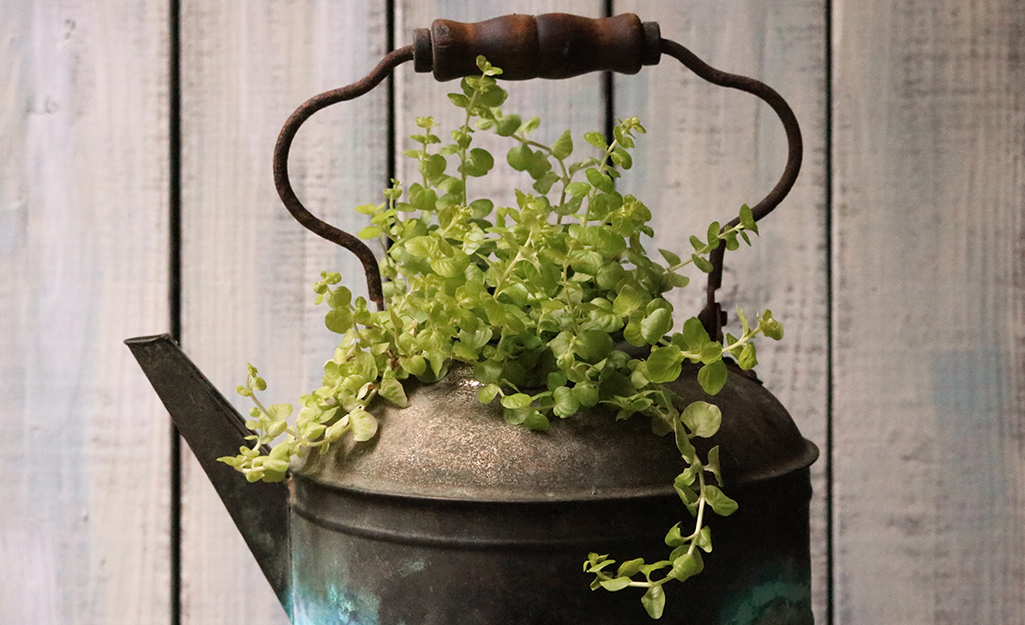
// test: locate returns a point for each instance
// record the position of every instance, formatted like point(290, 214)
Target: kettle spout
point(213, 428)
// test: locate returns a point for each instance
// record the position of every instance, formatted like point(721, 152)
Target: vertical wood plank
point(930, 310)
point(247, 265)
point(709, 150)
point(577, 103)
point(83, 265)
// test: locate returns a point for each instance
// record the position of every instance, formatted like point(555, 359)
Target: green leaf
point(704, 539)
point(701, 263)
point(587, 394)
point(632, 331)
point(747, 219)
point(614, 584)
point(712, 466)
point(656, 325)
point(280, 411)
point(770, 327)
point(563, 147)
point(711, 352)
point(654, 602)
point(630, 567)
point(520, 157)
point(744, 323)
point(686, 566)
point(748, 358)
point(478, 163)
point(664, 364)
point(508, 125)
point(566, 402)
point(392, 390)
point(487, 393)
point(622, 158)
point(695, 335)
point(599, 180)
point(364, 425)
point(674, 538)
point(338, 320)
point(628, 300)
point(593, 345)
point(340, 298)
point(536, 422)
point(578, 189)
point(712, 377)
point(433, 166)
point(713, 234)
point(459, 100)
point(702, 418)
point(414, 365)
point(596, 139)
point(670, 257)
point(517, 400)
point(723, 505)
point(370, 232)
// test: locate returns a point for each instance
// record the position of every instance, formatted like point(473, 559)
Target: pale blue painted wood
point(248, 266)
point(84, 525)
point(929, 110)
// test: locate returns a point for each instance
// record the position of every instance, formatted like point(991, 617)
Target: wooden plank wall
point(85, 523)
point(247, 266)
point(929, 311)
point(897, 266)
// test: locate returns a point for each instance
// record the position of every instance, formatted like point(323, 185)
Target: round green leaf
point(656, 325)
point(654, 602)
point(702, 418)
point(712, 377)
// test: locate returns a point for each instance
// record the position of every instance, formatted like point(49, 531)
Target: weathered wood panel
point(247, 265)
point(709, 150)
point(930, 310)
point(83, 265)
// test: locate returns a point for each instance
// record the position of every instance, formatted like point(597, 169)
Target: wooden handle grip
point(554, 45)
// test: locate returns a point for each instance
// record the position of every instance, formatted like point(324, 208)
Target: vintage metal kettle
point(490, 525)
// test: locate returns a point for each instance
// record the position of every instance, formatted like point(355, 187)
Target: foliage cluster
point(536, 297)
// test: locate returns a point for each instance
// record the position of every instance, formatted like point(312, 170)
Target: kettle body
point(452, 516)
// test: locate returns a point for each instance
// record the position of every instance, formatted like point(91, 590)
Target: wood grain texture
point(930, 309)
point(709, 150)
point(83, 265)
point(576, 103)
point(247, 265)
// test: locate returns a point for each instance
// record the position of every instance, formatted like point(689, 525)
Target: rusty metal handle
point(555, 45)
point(284, 185)
point(713, 317)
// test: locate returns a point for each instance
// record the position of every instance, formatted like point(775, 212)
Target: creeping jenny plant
point(533, 296)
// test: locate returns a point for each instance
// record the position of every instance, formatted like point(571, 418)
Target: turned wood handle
point(554, 45)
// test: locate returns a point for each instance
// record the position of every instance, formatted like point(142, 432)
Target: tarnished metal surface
point(453, 516)
point(212, 428)
point(447, 444)
point(393, 560)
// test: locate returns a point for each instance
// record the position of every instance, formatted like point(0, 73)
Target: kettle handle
point(554, 45)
